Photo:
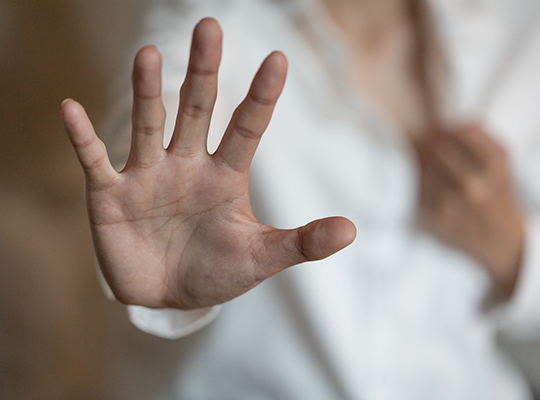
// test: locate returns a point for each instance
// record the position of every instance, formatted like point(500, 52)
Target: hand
point(175, 227)
point(466, 198)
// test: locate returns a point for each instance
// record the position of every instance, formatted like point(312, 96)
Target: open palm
point(175, 227)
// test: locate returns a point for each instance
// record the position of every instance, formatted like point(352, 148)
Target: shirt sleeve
point(167, 323)
point(171, 323)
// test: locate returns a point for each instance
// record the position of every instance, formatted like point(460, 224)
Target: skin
point(175, 227)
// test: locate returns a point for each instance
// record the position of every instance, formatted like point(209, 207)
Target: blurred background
point(60, 338)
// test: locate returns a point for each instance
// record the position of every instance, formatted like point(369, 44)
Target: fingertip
point(68, 104)
point(70, 110)
point(278, 59)
point(270, 79)
point(341, 231)
point(324, 237)
point(206, 47)
point(64, 108)
point(148, 57)
point(148, 50)
point(207, 33)
point(209, 27)
point(76, 121)
point(277, 63)
point(348, 230)
point(146, 75)
point(66, 101)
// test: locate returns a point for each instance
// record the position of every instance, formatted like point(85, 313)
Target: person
point(420, 128)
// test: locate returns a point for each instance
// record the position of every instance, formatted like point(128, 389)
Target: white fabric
point(398, 314)
point(182, 324)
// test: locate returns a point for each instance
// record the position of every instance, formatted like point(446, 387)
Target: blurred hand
point(466, 199)
point(175, 227)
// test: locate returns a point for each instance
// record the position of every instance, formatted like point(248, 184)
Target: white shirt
point(398, 314)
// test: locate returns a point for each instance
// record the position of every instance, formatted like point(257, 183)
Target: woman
point(372, 126)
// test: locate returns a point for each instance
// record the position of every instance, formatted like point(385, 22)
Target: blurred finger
point(148, 116)
point(253, 115)
point(472, 182)
point(454, 162)
point(90, 150)
point(432, 185)
point(199, 91)
point(485, 150)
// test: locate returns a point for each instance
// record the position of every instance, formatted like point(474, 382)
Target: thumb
point(314, 241)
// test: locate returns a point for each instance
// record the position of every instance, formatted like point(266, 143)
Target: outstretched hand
point(175, 227)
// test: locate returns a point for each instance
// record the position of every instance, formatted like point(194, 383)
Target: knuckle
point(202, 70)
point(92, 165)
point(196, 110)
point(85, 144)
point(145, 94)
point(300, 247)
point(95, 163)
point(147, 130)
point(144, 164)
point(246, 132)
point(262, 99)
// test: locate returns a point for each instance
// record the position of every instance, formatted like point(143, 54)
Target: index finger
point(253, 115)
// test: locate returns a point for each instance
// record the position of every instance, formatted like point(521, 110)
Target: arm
point(175, 227)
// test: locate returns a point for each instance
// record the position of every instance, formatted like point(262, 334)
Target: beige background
point(59, 337)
